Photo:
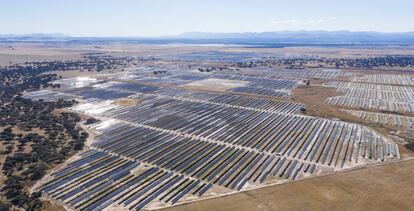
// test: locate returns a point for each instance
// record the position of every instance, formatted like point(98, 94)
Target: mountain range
point(248, 38)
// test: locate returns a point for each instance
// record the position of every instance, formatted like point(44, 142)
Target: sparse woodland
point(35, 135)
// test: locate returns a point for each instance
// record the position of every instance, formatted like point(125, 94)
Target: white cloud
point(322, 20)
point(285, 22)
point(316, 21)
point(298, 22)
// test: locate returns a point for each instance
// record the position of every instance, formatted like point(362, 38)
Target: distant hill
point(314, 37)
point(34, 37)
point(281, 38)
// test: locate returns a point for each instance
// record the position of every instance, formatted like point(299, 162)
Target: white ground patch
point(215, 84)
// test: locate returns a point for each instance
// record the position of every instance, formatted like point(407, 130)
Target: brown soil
point(28, 147)
point(126, 101)
point(49, 206)
point(313, 97)
point(17, 130)
point(386, 187)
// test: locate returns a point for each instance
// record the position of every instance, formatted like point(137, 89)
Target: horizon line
point(189, 32)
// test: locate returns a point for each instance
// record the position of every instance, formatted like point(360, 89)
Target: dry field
point(19, 53)
point(350, 52)
point(377, 188)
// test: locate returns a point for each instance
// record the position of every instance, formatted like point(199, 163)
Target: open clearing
point(213, 84)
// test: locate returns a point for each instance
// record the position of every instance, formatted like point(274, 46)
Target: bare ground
point(385, 187)
point(126, 101)
point(50, 206)
point(213, 84)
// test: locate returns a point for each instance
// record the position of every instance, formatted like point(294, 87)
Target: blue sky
point(170, 17)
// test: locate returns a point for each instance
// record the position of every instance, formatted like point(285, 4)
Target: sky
point(149, 18)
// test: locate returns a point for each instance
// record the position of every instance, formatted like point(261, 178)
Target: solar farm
point(187, 136)
point(386, 79)
point(385, 119)
point(384, 97)
point(383, 100)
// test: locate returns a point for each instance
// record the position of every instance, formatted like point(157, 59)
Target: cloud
point(322, 20)
point(297, 22)
point(285, 22)
point(316, 21)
